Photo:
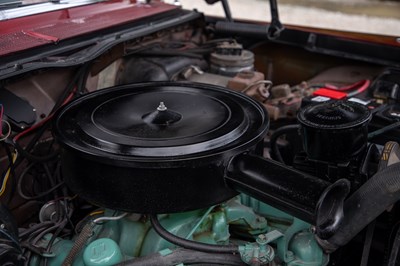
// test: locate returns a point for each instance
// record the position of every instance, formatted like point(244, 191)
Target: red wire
point(32, 128)
point(358, 84)
point(350, 90)
point(1, 120)
point(23, 133)
point(364, 84)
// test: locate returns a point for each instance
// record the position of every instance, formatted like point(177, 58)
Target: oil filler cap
point(334, 130)
point(102, 252)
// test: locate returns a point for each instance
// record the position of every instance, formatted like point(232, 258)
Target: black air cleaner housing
point(334, 131)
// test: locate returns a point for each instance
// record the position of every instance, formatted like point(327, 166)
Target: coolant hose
point(364, 205)
point(274, 139)
point(176, 240)
point(186, 257)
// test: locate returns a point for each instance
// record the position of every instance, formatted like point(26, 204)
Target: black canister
point(334, 131)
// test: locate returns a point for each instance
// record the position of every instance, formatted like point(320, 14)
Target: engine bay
point(163, 194)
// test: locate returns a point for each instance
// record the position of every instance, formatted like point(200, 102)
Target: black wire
point(274, 139)
point(33, 158)
point(384, 130)
point(395, 249)
point(53, 238)
point(27, 257)
point(10, 158)
point(34, 228)
point(31, 248)
point(10, 237)
point(65, 194)
point(40, 131)
point(188, 243)
point(38, 231)
point(393, 231)
point(12, 172)
point(46, 231)
point(50, 178)
point(367, 243)
point(35, 233)
point(43, 194)
point(68, 216)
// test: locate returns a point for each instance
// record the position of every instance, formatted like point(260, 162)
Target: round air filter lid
point(160, 120)
point(334, 115)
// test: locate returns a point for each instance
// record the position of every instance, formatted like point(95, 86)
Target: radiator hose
point(366, 204)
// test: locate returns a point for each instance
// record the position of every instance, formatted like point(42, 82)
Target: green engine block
point(272, 237)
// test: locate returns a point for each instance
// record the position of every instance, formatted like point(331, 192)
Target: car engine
point(312, 177)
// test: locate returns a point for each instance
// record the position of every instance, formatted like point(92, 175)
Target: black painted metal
point(115, 157)
point(334, 131)
point(192, 157)
point(306, 197)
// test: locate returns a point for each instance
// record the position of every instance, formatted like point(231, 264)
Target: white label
point(320, 99)
point(357, 100)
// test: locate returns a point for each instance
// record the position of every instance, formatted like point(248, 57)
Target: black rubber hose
point(185, 256)
point(364, 205)
point(170, 53)
point(176, 240)
point(241, 29)
point(274, 140)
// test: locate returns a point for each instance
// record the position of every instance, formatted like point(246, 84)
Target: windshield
point(367, 16)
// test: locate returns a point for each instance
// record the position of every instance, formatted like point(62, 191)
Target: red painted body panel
point(36, 30)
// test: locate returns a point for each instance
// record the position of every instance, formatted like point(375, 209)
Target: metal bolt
point(261, 219)
point(289, 255)
point(161, 107)
point(2, 226)
point(262, 239)
point(313, 229)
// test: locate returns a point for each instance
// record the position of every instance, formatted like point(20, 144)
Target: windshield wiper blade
point(226, 7)
point(276, 27)
point(273, 31)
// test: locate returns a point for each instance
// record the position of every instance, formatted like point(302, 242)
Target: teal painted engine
point(266, 236)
